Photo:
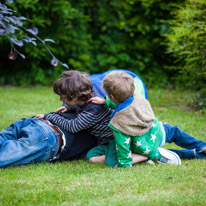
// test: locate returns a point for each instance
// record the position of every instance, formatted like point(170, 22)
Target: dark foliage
point(10, 24)
point(93, 36)
point(186, 42)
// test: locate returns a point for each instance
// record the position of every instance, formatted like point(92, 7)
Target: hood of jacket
point(136, 119)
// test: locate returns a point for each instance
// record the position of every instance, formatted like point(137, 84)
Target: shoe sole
point(167, 153)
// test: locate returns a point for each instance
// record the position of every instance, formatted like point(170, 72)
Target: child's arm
point(97, 100)
point(84, 120)
point(106, 101)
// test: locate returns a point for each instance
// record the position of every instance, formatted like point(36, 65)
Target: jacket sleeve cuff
point(46, 116)
point(109, 103)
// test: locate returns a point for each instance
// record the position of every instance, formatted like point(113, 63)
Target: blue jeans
point(27, 141)
point(194, 147)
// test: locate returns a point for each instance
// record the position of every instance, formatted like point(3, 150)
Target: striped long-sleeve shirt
point(95, 118)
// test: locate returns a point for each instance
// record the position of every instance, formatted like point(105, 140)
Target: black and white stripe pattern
point(96, 122)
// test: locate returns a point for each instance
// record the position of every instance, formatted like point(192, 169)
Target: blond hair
point(119, 84)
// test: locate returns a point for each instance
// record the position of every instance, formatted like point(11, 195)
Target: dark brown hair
point(74, 84)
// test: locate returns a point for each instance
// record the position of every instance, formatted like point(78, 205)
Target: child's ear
point(111, 97)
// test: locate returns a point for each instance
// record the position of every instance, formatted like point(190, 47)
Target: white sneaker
point(168, 157)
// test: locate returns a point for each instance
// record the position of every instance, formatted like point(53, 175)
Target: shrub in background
point(10, 24)
point(128, 34)
point(93, 36)
point(187, 42)
point(52, 19)
point(199, 101)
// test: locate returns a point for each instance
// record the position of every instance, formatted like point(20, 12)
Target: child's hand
point(62, 109)
point(39, 116)
point(115, 167)
point(97, 100)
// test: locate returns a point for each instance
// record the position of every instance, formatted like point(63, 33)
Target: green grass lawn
point(80, 183)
